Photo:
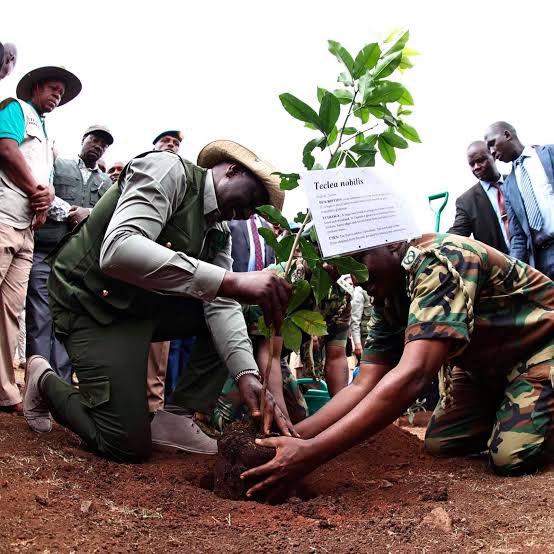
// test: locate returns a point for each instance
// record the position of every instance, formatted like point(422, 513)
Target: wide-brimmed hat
point(99, 130)
point(72, 84)
point(227, 151)
point(171, 133)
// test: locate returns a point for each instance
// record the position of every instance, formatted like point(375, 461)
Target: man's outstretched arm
point(396, 391)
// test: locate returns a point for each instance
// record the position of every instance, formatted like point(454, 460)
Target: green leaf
point(311, 126)
point(263, 328)
point(349, 131)
point(345, 79)
point(300, 291)
point(331, 137)
point(387, 151)
point(289, 181)
point(380, 112)
point(359, 138)
point(387, 65)
point(329, 112)
point(410, 52)
point(394, 140)
point(367, 160)
point(400, 43)
point(269, 236)
point(363, 114)
point(365, 83)
point(406, 98)
point(283, 248)
point(409, 132)
point(342, 54)
point(335, 161)
point(371, 139)
point(344, 96)
point(366, 59)
point(309, 252)
point(273, 215)
point(300, 217)
point(292, 335)
point(299, 109)
point(320, 94)
point(363, 148)
point(403, 112)
point(346, 265)
point(405, 63)
point(387, 91)
point(320, 282)
point(310, 322)
point(392, 34)
point(351, 160)
point(307, 158)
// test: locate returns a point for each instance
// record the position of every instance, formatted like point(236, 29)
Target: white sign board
point(356, 209)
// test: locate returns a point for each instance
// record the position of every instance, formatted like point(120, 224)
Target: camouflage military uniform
point(501, 324)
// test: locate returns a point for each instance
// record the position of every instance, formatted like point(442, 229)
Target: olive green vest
point(78, 284)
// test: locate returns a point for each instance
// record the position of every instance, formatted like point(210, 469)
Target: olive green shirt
point(153, 189)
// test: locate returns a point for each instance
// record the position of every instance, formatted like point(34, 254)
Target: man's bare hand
point(250, 391)
point(42, 198)
point(38, 220)
point(358, 349)
point(264, 288)
point(76, 215)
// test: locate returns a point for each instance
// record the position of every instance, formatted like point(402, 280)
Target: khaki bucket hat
point(227, 150)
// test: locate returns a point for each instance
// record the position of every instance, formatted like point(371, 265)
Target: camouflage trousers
point(229, 406)
point(512, 418)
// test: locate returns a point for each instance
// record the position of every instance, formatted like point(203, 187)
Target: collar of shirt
point(528, 152)
point(486, 185)
point(211, 210)
point(82, 165)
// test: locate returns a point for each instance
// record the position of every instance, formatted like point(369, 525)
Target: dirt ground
point(385, 495)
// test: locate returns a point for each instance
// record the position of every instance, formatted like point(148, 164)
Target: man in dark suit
point(529, 195)
point(249, 250)
point(481, 210)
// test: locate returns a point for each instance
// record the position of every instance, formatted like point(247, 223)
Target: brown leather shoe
point(16, 409)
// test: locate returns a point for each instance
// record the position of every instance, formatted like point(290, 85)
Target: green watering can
point(315, 398)
point(438, 211)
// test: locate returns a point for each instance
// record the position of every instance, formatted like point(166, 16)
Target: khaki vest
point(76, 281)
point(15, 208)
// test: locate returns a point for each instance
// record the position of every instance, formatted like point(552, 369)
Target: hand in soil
point(251, 390)
point(293, 460)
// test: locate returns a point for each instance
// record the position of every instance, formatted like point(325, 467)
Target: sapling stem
point(269, 365)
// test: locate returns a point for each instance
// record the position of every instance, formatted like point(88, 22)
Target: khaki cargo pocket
point(94, 391)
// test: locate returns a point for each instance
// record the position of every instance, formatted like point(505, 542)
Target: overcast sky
point(215, 70)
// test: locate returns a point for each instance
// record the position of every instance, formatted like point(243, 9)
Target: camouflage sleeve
point(385, 340)
point(439, 306)
point(338, 327)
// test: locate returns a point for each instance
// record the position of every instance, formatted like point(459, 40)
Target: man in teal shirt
point(26, 161)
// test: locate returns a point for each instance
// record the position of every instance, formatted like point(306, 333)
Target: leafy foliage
point(363, 118)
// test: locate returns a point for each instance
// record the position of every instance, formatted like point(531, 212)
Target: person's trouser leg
point(109, 411)
point(16, 255)
point(40, 328)
point(523, 436)
point(465, 425)
point(157, 366)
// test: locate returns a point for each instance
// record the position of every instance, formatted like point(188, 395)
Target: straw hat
point(72, 84)
point(227, 150)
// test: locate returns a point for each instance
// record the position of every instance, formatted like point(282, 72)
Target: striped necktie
point(534, 216)
point(502, 208)
point(258, 256)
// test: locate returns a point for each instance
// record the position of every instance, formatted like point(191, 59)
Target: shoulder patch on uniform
point(411, 258)
point(6, 102)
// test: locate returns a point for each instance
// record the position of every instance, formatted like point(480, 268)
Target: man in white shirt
point(529, 195)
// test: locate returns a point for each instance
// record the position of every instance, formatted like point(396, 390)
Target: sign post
point(355, 209)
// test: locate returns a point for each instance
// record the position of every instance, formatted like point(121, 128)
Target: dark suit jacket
point(475, 215)
point(520, 234)
point(240, 246)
